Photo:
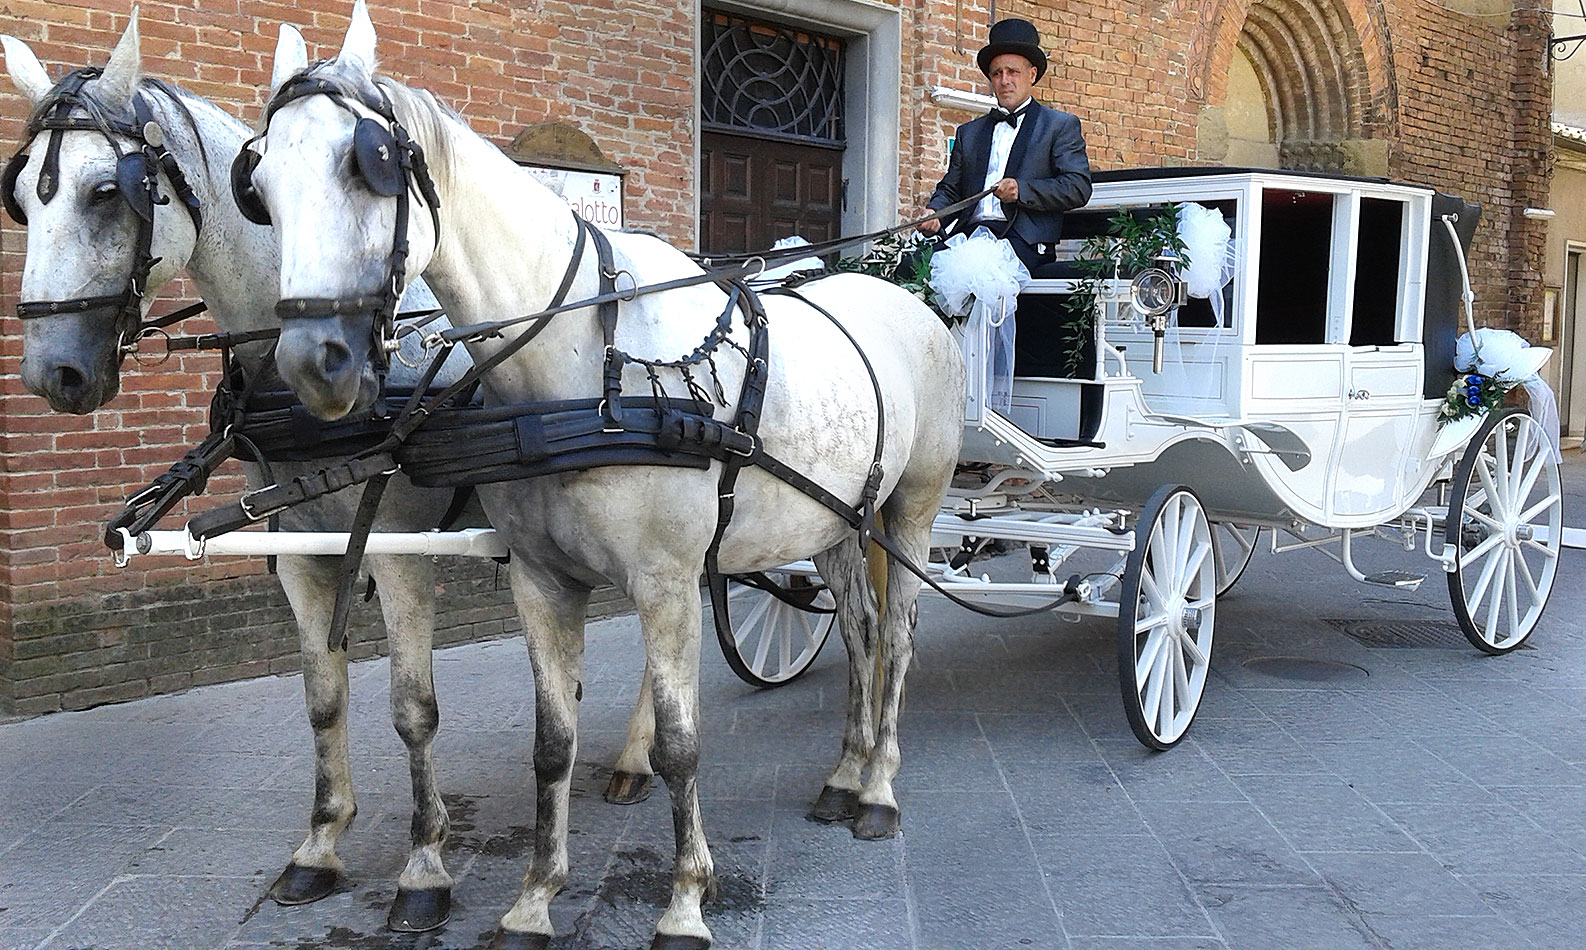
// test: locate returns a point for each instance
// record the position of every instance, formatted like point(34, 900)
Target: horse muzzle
point(330, 373)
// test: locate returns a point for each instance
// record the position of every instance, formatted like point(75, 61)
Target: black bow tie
point(1000, 114)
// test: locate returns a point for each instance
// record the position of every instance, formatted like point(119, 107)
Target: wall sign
point(596, 196)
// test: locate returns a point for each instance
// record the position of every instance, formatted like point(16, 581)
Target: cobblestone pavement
point(1423, 796)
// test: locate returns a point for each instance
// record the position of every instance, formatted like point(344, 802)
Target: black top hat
point(1013, 36)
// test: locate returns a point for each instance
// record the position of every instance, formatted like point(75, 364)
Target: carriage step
point(1405, 580)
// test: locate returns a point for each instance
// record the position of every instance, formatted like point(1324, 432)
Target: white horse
point(80, 243)
point(503, 247)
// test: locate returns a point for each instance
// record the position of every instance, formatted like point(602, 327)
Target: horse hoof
point(628, 788)
point(511, 940)
point(679, 942)
point(415, 911)
point(303, 885)
point(875, 822)
point(835, 804)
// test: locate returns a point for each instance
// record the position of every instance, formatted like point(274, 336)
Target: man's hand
point(931, 226)
point(1006, 190)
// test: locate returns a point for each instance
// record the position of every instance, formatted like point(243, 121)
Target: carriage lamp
point(1154, 293)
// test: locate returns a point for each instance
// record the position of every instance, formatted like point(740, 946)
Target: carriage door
point(771, 149)
point(1383, 366)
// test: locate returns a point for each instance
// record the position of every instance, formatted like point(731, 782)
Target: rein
point(137, 176)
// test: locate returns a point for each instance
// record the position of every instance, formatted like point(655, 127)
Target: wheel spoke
point(1152, 592)
point(1495, 500)
point(1538, 508)
point(1181, 684)
point(1194, 651)
point(1532, 473)
point(785, 640)
point(1153, 646)
point(1153, 688)
point(1494, 606)
point(1536, 545)
point(1488, 568)
point(1149, 623)
point(1501, 459)
point(1164, 676)
point(1487, 544)
point(1478, 515)
point(763, 650)
point(1530, 581)
point(1513, 599)
point(1186, 533)
point(1196, 559)
point(747, 626)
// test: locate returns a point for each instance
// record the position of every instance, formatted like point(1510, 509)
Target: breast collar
point(67, 108)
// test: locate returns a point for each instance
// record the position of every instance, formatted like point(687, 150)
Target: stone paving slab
point(1428, 798)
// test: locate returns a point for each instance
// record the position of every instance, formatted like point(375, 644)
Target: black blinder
point(242, 190)
point(132, 177)
point(8, 187)
point(375, 152)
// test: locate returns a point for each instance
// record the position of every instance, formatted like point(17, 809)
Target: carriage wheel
point(1166, 609)
point(1233, 545)
point(776, 642)
point(1505, 526)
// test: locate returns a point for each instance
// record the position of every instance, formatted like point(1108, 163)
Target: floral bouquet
point(1473, 394)
point(1489, 363)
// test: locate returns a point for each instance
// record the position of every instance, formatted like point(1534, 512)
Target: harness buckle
point(754, 445)
point(250, 512)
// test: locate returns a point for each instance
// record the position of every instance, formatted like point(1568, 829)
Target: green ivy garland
point(1130, 246)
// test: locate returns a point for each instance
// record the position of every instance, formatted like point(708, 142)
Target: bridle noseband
point(137, 178)
point(387, 160)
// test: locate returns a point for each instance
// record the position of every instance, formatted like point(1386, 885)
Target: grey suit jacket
point(1047, 160)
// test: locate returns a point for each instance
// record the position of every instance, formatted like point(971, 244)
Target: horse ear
point(359, 44)
point(120, 79)
point(291, 56)
point(27, 73)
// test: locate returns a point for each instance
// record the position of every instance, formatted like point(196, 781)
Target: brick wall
point(1461, 102)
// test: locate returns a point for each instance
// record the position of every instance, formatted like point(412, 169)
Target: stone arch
point(1325, 70)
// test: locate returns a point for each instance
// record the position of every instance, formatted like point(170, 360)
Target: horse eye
point(104, 191)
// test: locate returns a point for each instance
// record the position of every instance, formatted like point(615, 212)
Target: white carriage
point(1309, 408)
point(1307, 405)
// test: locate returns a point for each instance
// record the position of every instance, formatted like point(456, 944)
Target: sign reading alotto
point(596, 196)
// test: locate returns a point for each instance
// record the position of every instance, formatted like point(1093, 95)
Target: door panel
point(756, 190)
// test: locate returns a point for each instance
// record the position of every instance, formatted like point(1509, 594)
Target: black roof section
point(1202, 171)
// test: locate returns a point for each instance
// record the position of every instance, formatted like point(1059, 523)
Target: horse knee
point(416, 719)
point(675, 753)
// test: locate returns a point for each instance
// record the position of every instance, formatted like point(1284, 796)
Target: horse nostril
point(335, 357)
point(70, 381)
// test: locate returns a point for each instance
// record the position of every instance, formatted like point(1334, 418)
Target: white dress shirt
point(1002, 137)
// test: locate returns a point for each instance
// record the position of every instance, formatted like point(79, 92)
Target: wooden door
point(755, 190)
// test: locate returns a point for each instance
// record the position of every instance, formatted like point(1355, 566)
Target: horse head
point(106, 224)
point(354, 212)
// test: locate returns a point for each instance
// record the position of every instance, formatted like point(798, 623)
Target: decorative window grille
point(771, 80)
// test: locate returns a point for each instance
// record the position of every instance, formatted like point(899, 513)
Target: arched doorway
point(1304, 86)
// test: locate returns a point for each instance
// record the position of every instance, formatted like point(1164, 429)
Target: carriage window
point(1376, 309)
point(1198, 312)
point(1296, 245)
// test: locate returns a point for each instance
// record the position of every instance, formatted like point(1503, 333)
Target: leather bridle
point(388, 162)
point(137, 177)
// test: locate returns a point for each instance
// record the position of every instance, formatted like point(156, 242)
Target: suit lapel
point(1020, 141)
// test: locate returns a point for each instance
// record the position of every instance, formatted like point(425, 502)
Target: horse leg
point(909, 524)
point(407, 601)
point(845, 573)
point(630, 777)
point(669, 611)
point(310, 585)
point(553, 623)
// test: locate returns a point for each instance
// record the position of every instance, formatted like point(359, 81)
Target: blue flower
point(1474, 379)
point(1473, 391)
point(1473, 400)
